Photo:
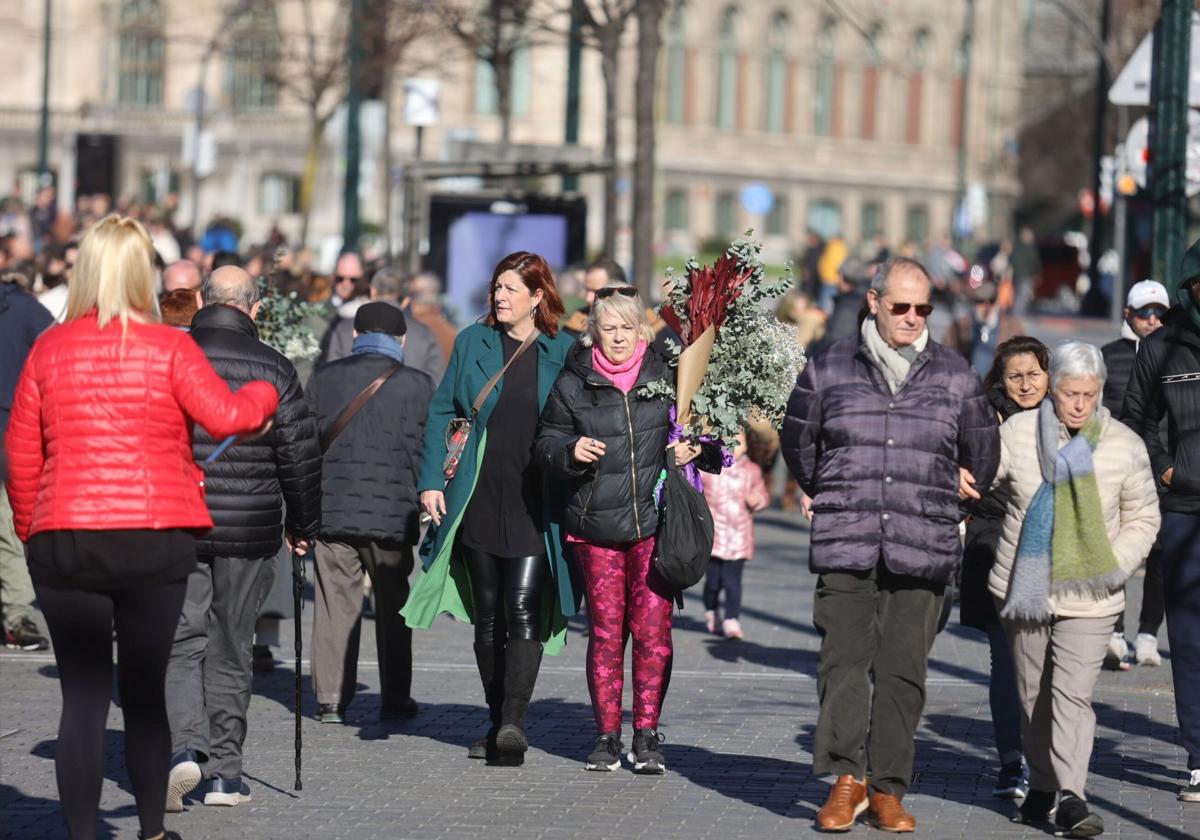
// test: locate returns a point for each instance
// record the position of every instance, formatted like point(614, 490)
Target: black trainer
point(331, 713)
point(1037, 807)
point(1075, 819)
point(1011, 783)
point(645, 756)
point(606, 753)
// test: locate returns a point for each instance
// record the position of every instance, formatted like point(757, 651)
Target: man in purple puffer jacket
point(887, 432)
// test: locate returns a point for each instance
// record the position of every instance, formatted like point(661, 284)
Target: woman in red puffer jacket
point(106, 495)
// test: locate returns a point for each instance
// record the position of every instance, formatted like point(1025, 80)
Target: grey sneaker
point(226, 792)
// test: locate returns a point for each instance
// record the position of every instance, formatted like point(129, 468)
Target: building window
point(776, 87)
point(872, 219)
point(727, 70)
point(825, 218)
point(726, 214)
point(253, 59)
point(916, 223)
point(675, 211)
point(870, 83)
point(918, 55)
point(777, 219)
point(486, 100)
point(677, 66)
point(140, 48)
point(278, 194)
point(824, 77)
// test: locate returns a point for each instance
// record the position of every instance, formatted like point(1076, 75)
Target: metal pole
point(1093, 303)
point(1168, 139)
point(570, 183)
point(351, 226)
point(960, 186)
point(1116, 306)
point(44, 125)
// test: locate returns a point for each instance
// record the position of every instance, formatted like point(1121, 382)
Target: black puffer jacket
point(1118, 359)
point(369, 475)
point(247, 487)
point(611, 501)
point(1166, 384)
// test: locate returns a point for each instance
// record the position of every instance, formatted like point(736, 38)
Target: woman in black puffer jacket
point(605, 436)
point(1017, 381)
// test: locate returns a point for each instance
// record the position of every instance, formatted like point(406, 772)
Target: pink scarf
point(625, 374)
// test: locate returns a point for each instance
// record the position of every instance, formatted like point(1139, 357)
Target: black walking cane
point(298, 596)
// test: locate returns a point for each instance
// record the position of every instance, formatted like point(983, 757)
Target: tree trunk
point(308, 182)
point(502, 69)
point(649, 17)
point(608, 65)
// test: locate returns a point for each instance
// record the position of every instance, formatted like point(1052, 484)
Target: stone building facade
point(848, 114)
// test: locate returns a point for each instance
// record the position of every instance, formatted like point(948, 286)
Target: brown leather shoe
point(887, 814)
point(846, 801)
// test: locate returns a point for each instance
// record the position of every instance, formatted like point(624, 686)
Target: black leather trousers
point(506, 593)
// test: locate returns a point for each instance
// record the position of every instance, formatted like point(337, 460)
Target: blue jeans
point(727, 575)
point(1003, 697)
point(1180, 539)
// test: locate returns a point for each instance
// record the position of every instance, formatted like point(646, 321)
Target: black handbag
point(685, 532)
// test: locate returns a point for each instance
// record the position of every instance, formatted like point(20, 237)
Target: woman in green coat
point(495, 555)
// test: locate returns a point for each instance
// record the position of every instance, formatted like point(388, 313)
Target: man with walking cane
point(209, 671)
point(371, 408)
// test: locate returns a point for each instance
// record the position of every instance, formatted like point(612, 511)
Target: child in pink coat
point(733, 497)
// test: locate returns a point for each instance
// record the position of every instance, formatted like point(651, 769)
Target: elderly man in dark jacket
point(22, 320)
point(209, 672)
point(1166, 385)
point(371, 509)
point(887, 432)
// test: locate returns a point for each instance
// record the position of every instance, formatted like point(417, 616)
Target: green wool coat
point(444, 586)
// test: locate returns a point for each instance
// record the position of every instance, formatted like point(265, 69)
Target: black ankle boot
point(523, 659)
point(490, 661)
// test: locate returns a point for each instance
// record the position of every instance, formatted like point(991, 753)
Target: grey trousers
point(1057, 667)
point(873, 624)
point(16, 589)
point(337, 620)
point(209, 672)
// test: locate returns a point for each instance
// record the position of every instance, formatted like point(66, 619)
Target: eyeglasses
point(1152, 310)
point(623, 291)
point(341, 278)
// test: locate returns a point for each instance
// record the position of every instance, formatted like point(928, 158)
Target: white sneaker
point(1191, 793)
point(1145, 649)
point(181, 781)
point(732, 629)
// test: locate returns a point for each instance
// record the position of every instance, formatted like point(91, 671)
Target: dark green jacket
point(444, 587)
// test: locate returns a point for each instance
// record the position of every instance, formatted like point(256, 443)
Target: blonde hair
point(628, 309)
point(114, 274)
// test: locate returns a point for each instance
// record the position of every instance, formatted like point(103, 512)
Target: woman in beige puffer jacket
point(1057, 653)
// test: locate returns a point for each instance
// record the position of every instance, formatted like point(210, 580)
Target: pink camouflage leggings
point(622, 601)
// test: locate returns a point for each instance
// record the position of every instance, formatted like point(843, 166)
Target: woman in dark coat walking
point(1018, 381)
point(606, 436)
point(493, 556)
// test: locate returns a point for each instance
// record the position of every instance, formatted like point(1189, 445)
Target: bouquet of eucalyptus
point(281, 322)
point(737, 361)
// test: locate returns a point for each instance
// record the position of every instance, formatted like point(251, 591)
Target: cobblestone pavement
point(739, 721)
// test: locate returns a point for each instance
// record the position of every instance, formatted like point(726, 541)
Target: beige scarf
point(892, 363)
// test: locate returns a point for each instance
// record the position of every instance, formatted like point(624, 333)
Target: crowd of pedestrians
point(164, 464)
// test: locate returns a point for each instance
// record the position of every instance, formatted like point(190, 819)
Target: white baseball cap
point(1147, 292)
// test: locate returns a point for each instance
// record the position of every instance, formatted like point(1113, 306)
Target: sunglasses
point(623, 291)
point(923, 309)
point(342, 278)
point(1149, 311)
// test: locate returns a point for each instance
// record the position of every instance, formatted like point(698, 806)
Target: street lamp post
point(960, 186)
point(44, 124)
point(351, 225)
point(1168, 138)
